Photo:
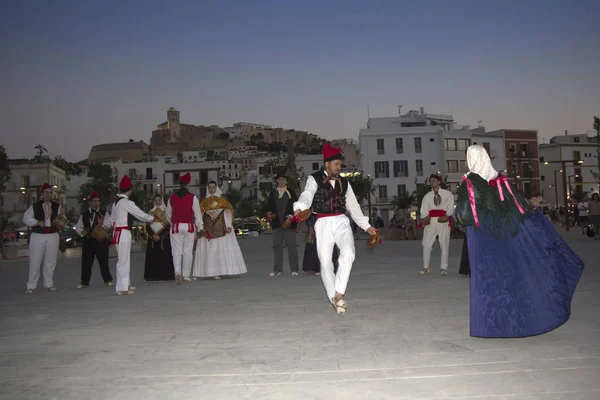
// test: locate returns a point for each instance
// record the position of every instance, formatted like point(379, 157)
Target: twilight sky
point(78, 73)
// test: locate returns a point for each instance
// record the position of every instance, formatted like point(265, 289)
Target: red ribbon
point(208, 236)
point(472, 199)
point(498, 183)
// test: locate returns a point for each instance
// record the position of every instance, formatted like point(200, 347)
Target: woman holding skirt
point(159, 260)
point(217, 252)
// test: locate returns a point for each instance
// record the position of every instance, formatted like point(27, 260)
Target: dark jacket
point(289, 208)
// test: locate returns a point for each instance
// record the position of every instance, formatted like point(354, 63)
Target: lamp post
point(563, 164)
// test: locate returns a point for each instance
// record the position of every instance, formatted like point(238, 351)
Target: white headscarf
point(218, 192)
point(479, 163)
point(162, 204)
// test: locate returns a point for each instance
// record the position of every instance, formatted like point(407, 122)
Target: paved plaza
point(404, 336)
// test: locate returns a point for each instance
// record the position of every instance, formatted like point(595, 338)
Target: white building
point(24, 186)
point(569, 147)
point(244, 129)
point(402, 152)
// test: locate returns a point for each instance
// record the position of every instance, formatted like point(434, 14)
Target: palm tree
point(41, 150)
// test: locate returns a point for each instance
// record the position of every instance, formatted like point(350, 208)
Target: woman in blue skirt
point(523, 274)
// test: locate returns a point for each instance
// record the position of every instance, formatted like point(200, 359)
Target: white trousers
point(330, 231)
point(43, 248)
point(442, 231)
point(123, 261)
point(182, 245)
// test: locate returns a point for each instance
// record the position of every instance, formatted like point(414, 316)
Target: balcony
point(382, 200)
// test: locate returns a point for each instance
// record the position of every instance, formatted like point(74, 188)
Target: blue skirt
point(521, 285)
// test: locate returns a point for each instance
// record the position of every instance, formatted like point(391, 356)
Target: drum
point(99, 233)
point(60, 223)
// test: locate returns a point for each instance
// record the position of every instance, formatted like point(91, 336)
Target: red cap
point(187, 178)
point(46, 186)
point(331, 153)
point(125, 183)
point(94, 195)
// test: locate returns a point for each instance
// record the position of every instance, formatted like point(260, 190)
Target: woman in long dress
point(159, 260)
point(311, 263)
point(523, 274)
point(465, 268)
point(217, 252)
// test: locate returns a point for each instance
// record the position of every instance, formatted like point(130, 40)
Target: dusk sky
point(79, 73)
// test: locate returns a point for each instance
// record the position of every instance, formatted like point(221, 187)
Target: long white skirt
point(218, 257)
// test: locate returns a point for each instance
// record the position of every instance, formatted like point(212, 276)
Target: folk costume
point(92, 247)
point(281, 204)
point(217, 252)
point(43, 242)
point(183, 212)
point(123, 212)
point(435, 205)
point(330, 198)
point(523, 274)
point(158, 266)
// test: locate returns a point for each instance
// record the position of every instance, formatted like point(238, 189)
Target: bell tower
point(173, 124)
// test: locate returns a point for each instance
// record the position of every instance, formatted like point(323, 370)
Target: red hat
point(46, 186)
point(187, 178)
point(125, 183)
point(94, 195)
point(331, 153)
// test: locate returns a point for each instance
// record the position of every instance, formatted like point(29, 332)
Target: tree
point(362, 185)
point(294, 173)
point(4, 180)
point(100, 179)
point(42, 155)
point(403, 203)
point(244, 208)
point(234, 196)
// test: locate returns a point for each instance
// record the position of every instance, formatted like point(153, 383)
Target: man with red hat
point(330, 196)
point(436, 209)
point(44, 239)
point(123, 212)
point(92, 247)
point(183, 211)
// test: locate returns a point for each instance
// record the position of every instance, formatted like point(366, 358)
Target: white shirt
point(30, 221)
point(124, 207)
point(195, 208)
point(305, 201)
point(582, 207)
point(79, 228)
point(447, 203)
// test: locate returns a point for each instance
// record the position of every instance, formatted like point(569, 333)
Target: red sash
point(116, 236)
point(328, 215)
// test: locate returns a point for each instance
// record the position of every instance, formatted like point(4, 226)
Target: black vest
point(86, 220)
point(327, 199)
point(38, 213)
point(130, 218)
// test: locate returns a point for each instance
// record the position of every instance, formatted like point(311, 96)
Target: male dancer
point(91, 247)
point(436, 208)
point(122, 234)
point(183, 209)
point(330, 196)
point(44, 239)
point(281, 205)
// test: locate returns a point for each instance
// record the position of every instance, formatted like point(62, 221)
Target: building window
point(380, 146)
point(400, 169)
point(315, 166)
point(463, 144)
point(526, 171)
point(577, 155)
point(401, 190)
point(382, 169)
point(524, 150)
point(527, 189)
point(452, 166)
point(418, 145)
point(383, 192)
point(450, 144)
point(514, 169)
point(419, 166)
point(399, 146)
point(464, 167)
point(204, 177)
point(175, 177)
point(512, 148)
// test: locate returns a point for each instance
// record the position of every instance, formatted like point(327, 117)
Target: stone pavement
point(405, 336)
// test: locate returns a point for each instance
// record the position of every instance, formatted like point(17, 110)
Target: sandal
point(340, 307)
point(274, 273)
point(443, 273)
point(424, 272)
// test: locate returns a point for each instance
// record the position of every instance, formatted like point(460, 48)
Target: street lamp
point(563, 164)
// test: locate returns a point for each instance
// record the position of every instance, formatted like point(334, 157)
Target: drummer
point(44, 239)
point(94, 244)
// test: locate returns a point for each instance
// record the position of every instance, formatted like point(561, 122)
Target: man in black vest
point(92, 247)
point(280, 205)
point(44, 239)
point(331, 196)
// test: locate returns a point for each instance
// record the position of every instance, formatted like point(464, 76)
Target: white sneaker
point(294, 273)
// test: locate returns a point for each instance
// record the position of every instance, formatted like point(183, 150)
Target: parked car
point(69, 238)
point(245, 228)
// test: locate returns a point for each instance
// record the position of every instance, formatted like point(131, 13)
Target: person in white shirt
point(582, 208)
point(122, 222)
point(91, 247)
point(436, 209)
point(330, 196)
point(44, 239)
